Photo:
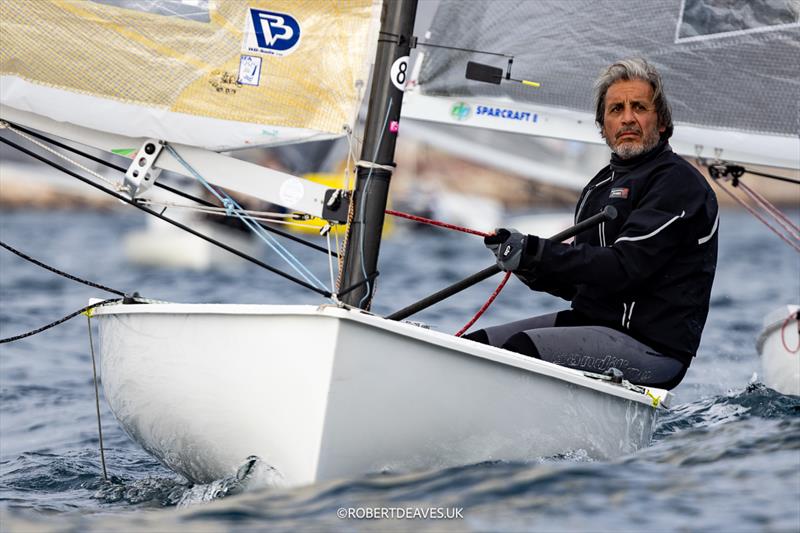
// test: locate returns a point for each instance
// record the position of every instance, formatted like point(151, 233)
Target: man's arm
point(548, 284)
point(670, 215)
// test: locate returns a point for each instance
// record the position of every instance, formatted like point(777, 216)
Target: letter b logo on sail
point(271, 32)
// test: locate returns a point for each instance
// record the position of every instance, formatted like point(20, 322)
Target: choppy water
point(726, 458)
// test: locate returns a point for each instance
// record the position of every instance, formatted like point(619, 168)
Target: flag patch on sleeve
point(619, 192)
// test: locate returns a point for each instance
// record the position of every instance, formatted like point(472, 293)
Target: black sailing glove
point(509, 247)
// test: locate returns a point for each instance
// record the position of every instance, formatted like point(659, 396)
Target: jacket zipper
point(588, 192)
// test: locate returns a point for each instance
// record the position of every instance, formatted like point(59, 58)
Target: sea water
point(726, 457)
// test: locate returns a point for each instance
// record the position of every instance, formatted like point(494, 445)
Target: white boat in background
point(779, 348)
point(476, 212)
point(541, 223)
point(462, 209)
point(163, 245)
point(203, 387)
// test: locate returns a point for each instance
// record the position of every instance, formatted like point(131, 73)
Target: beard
point(626, 149)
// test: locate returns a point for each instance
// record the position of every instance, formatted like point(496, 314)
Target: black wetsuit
point(639, 285)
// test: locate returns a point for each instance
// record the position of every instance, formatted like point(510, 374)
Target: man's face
point(630, 120)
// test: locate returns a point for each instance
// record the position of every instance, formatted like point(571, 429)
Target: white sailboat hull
point(778, 346)
point(163, 245)
point(324, 393)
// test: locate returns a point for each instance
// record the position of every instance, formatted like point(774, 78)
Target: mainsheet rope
point(437, 223)
point(454, 227)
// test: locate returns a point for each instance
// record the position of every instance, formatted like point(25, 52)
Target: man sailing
point(640, 284)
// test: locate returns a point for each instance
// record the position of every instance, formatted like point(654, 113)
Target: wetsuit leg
point(596, 349)
point(498, 335)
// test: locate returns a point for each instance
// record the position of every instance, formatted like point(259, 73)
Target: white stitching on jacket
point(643, 237)
point(630, 314)
point(713, 231)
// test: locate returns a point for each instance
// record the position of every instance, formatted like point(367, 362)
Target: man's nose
point(627, 115)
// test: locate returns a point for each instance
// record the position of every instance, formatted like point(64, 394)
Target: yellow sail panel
point(243, 73)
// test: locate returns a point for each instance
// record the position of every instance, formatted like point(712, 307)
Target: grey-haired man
point(640, 285)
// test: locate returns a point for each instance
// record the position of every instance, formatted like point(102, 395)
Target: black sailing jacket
point(649, 272)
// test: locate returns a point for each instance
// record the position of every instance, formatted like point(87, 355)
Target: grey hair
point(633, 69)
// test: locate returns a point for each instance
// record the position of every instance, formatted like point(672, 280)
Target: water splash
point(254, 474)
point(755, 400)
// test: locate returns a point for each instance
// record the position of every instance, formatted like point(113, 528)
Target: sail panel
point(220, 75)
point(507, 116)
point(727, 66)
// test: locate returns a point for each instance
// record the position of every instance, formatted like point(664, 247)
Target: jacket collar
point(622, 166)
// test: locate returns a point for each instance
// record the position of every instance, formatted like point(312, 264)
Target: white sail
point(730, 70)
point(214, 74)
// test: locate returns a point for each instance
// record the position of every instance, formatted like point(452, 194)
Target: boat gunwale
point(653, 397)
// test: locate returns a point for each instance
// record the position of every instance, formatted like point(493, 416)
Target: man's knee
point(519, 342)
point(522, 343)
point(477, 336)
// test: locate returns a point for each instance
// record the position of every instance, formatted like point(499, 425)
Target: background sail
point(217, 74)
point(730, 67)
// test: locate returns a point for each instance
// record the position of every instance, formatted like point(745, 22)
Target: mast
point(372, 182)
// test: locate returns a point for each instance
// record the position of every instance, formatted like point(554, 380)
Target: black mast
point(372, 181)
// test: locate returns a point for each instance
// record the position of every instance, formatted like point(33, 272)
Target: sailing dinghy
point(779, 348)
point(316, 392)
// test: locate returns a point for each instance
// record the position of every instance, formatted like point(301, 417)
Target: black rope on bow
point(67, 275)
point(184, 227)
point(172, 190)
point(60, 272)
point(60, 320)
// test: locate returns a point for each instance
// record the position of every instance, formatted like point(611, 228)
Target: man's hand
point(508, 246)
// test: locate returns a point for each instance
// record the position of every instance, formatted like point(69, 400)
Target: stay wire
point(160, 185)
point(124, 199)
point(97, 397)
point(54, 142)
point(776, 213)
point(362, 208)
point(763, 220)
point(772, 176)
point(235, 209)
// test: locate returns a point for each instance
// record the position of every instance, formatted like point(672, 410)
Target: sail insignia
point(216, 75)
